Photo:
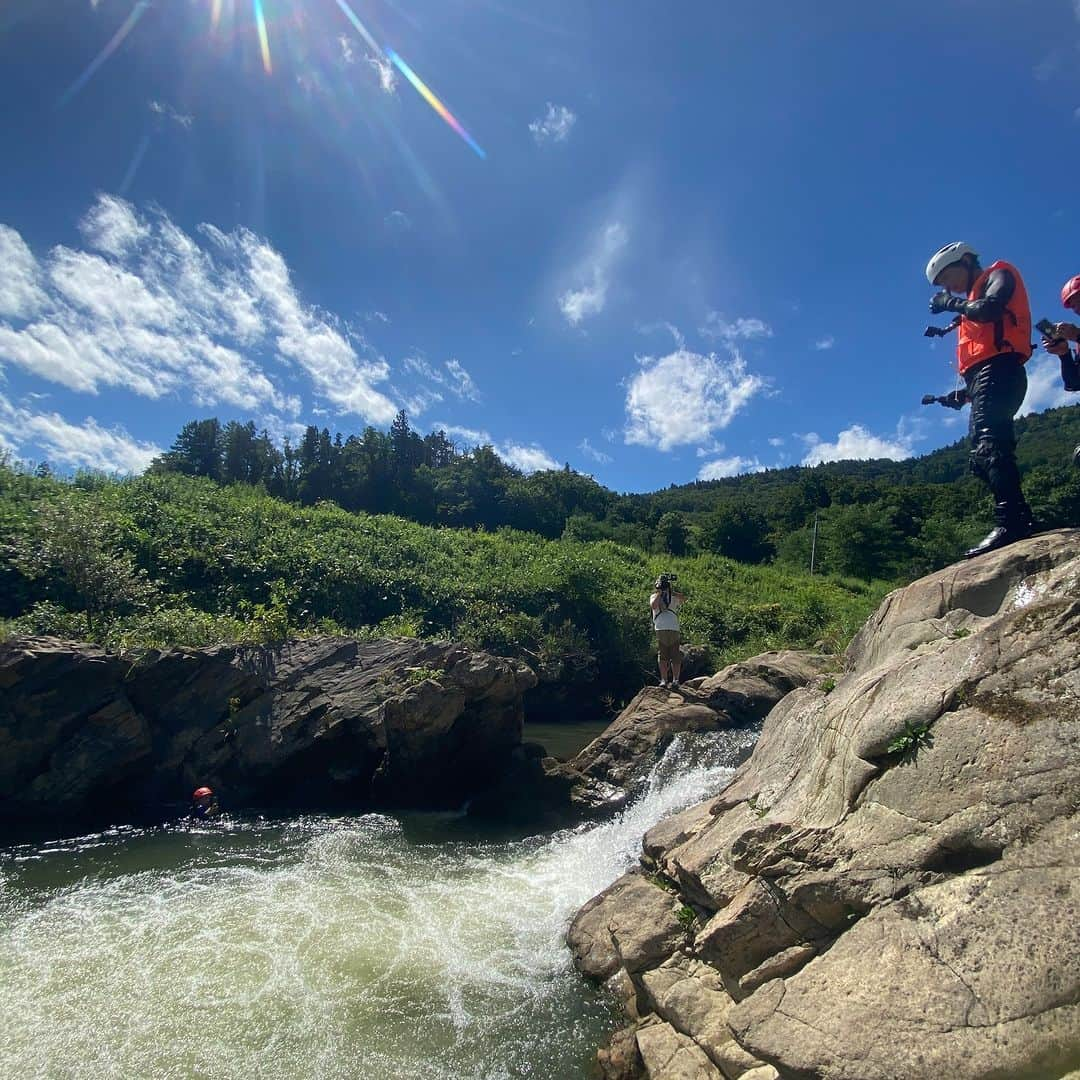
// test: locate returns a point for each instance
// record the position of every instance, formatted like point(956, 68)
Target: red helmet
point(1070, 289)
point(201, 793)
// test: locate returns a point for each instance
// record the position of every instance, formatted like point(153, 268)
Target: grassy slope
point(233, 563)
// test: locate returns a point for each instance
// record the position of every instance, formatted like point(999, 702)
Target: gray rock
point(890, 882)
point(739, 694)
point(632, 924)
point(319, 721)
point(669, 1055)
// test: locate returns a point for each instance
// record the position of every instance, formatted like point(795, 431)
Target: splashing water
point(320, 947)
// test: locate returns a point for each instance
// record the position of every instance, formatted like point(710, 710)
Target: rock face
point(325, 721)
point(890, 886)
point(739, 694)
point(602, 777)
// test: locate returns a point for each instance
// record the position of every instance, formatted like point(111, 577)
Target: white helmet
point(949, 254)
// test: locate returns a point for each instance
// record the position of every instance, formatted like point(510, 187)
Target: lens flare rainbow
point(299, 48)
point(115, 42)
point(264, 37)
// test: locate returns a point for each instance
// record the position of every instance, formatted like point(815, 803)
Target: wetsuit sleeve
point(1070, 371)
point(990, 307)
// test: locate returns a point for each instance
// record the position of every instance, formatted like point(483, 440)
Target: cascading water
point(367, 947)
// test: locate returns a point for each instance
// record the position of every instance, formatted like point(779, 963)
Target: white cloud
point(158, 312)
point(1045, 389)
point(386, 73)
point(348, 56)
point(111, 226)
point(717, 328)
point(856, 444)
point(827, 342)
point(468, 436)
point(461, 382)
point(420, 401)
point(417, 365)
point(398, 221)
point(160, 108)
point(20, 289)
point(731, 466)
point(610, 434)
point(776, 441)
point(593, 454)
point(555, 125)
point(529, 459)
point(88, 446)
point(594, 273)
point(686, 397)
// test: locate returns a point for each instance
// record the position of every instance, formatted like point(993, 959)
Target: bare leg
point(664, 672)
point(676, 669)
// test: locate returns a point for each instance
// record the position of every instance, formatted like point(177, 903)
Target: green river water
point(412, 946)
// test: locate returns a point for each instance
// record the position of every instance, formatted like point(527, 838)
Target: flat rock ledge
point(889, 888)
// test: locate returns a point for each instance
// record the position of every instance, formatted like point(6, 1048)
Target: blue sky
point(694, 244)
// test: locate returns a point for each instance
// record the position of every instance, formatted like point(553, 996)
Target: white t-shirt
point(665, 619)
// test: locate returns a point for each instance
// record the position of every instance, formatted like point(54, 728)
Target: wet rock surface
point(889, 886)
point(314, 722)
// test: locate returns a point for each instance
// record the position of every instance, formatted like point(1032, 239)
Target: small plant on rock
point(909, 742)
point(415, 676)
point(686, 916)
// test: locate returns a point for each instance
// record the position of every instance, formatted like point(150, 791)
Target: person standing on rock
point(1059, 343)
point(994, 322)
point(664, 603)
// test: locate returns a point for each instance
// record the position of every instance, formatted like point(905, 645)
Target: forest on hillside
point(874, 519)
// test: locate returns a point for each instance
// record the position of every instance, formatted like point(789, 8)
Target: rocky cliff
point(888, 889)
point(320, 722)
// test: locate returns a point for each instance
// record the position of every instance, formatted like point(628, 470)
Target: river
point(411, 947)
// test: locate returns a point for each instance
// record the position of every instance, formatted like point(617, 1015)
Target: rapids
point(416, 946)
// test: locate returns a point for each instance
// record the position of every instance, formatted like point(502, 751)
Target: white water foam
point(320, 948)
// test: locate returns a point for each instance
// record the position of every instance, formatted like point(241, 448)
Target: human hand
point(940, 301)
point(1057, 346)
point(1067, 331)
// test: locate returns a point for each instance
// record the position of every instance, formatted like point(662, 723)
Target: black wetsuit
point(996, 388)
point(1070, 371)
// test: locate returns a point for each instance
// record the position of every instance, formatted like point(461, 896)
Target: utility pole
point(813, 543)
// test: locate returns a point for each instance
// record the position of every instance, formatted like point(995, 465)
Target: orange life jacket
point(1010, 334)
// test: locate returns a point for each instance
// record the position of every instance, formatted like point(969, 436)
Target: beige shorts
point(668, 642)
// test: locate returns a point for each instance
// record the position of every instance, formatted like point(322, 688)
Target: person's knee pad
point(982, 459)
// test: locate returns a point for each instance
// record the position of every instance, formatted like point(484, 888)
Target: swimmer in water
point(204, 804)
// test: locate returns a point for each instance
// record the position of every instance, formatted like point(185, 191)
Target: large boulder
point(741, 693)
point(888, 887)
point(321, 721)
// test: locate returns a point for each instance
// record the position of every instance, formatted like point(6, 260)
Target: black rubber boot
point(1012, 524)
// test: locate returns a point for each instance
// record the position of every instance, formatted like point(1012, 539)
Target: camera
point(667, 579)
point(1048, 329)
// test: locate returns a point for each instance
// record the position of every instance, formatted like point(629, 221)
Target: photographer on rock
point(664, 603)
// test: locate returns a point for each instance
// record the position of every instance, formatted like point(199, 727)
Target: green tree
point(672, 533)
point(737, 531)
point(197, 450)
